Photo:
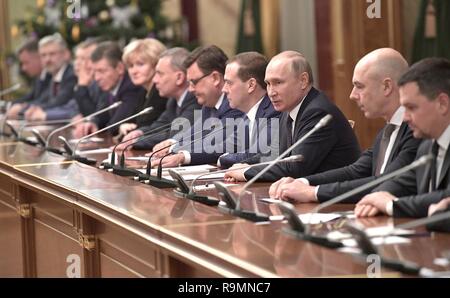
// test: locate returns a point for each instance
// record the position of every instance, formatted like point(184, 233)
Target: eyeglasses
point(196, 81)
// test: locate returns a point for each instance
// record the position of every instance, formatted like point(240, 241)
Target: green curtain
point(249, 36)
point(438, 45)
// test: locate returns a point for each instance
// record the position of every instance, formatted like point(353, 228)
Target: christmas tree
point(120, 20)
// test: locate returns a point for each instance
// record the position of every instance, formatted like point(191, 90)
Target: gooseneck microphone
point(423, 160)
point(161, 182)
point(153, 132)
point(84, 119)
point(264, 217)
point(9, 90)
point(188, 192)
point(303, 231)
point(82, 159)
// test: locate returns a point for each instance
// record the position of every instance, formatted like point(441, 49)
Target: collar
point(220, 101)
point(444, 139)
point(251, 115)
point(397, 118)
point(43, 75)
point(115, 90)
point(294, 112)
point(181, 99)
point(57, 78)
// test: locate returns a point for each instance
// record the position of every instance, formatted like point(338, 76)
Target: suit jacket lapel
point(424, 185)
point(395, 148)
point(311, 95)
point(445, 167)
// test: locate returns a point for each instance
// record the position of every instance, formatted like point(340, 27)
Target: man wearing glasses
point(205, 73)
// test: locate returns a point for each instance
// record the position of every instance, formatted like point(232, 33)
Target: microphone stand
point(159, 181)
point(86, 118)
point(264, 217)
point(72, 153)
point(188, 192)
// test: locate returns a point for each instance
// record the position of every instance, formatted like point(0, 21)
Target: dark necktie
point(289, 130)
point(55, 88)
point(247, 131)
point(388, 130)
point(433, 166)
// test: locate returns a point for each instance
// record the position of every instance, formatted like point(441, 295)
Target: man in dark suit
point(170, 81)
point(79, 105)
point(289, 84)
point(246, 91)
point(205, 73)
point(425, 94)
point(115, 84)
point(54, 57)
point(31, 66)
point(377, 94)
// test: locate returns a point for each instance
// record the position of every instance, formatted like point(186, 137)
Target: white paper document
point(317, 218)
point(94, 151)
point(372, 232)
point(88, 140)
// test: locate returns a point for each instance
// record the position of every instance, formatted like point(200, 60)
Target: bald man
point(376, 92)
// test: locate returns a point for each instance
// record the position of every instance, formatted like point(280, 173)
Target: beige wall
point(410, 14)
point(171, 9)
point(218, 22)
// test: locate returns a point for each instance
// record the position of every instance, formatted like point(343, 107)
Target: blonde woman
point(140, 58)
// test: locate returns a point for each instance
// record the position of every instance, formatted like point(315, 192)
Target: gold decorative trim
point(45, 164)
point(24, 210)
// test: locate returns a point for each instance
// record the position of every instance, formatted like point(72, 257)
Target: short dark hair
point(251, 65)
point(110, 51)
point(432, 75)
point(30, 46)
point(208, 58)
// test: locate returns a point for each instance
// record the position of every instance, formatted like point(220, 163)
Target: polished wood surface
point(60, 218)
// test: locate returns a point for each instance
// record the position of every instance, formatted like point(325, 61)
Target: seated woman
point(140, 57)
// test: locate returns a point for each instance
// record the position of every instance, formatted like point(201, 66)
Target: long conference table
point(61, 218)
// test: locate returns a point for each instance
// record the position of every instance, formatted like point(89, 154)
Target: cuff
point(390, 207)
point(187, 157)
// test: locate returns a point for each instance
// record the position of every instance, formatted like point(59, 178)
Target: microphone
point(188, 192)
point(264, 217)
point(423, 160)
point(40, 139)
point(79, 158)
point(425, 221)
point(367, 248)
point(120, 169)
point(302, 231)
point(17, 137)
point(86, 118)
point(9, 90)
point(160, 182)
point(112, 162)
point(298, 229)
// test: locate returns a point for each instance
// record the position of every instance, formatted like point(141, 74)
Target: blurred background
point(332, 34)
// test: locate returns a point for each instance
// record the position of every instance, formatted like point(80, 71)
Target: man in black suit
point(54, 57)
point(31, 66)
point(290, 87)
point(246, 90)
point(115, 84)
point(170, 81)
point(376, 92)
point(205, 73)
point(425, 94)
